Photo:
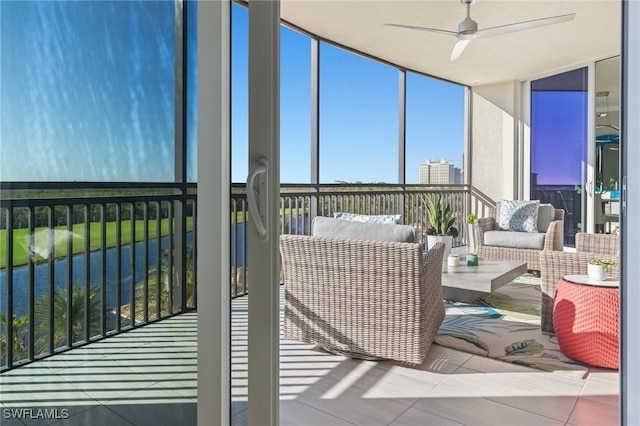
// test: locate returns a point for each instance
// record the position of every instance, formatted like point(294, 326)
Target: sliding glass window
point(87, 91)
point(358, 118)
point(295, 106)
point(190, 84)
point(559, 146)
point(434, 131)
point(239, 92)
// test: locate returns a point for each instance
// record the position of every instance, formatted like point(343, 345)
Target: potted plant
point(441, 229)
point(598, 269)
point(471, 218)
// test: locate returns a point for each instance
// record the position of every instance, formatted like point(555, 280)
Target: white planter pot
point(446, 239)
point(596, 272)
point(471, 235)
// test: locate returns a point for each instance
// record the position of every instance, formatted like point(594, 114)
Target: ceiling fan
point(468, 29)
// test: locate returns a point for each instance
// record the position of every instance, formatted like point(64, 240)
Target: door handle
point(257, 204)
point(589, 187)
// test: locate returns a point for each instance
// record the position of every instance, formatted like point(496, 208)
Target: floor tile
point(605, 374)
point(592, 413)
point(163, 411)
point(437, 361)
point(160, 367)
point(349, 403)
point(294, 413)
point(151, 395)
point(105, 380)
point(73, 357)
point(479, 411)
point(449, 388)
point(26, 373)
point(463, 370)
point(186, 387)
point(489, 365)
point(555, 407)
point(492, 385)
point(601, 389)
point(415, 417)
point(9, 418)
point(96, 416)
point(51, 392)
point(240, 419)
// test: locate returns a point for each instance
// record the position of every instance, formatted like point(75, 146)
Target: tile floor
point(148, 377)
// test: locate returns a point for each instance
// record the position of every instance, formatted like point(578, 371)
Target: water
point(41, 271)
point(41, 274)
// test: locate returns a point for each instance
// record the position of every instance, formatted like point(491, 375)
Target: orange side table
point(586, 320)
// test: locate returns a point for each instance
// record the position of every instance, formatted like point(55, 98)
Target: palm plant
point(61, 316)
point(19, 336)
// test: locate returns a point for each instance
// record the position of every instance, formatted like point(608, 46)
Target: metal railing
point(565, 197)
point(80, 262)
point(300, 203)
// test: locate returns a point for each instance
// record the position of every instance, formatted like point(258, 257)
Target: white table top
point(585, 280)
point(488, 276)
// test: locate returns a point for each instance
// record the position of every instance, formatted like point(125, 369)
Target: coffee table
point(469, 283)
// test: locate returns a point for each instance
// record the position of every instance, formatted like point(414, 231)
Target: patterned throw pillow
point(367, 218)
point(517, 215)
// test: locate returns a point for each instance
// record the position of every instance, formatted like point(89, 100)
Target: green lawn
point(21, 239)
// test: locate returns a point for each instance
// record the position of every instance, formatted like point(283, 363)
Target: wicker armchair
point(556, 264)
point(364, 299)
point(553, 240)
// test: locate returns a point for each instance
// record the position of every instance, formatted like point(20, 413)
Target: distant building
point(439, 173)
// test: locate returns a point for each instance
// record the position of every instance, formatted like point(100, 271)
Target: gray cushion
point(330, 227)
point(546, 213)
point(514, 239)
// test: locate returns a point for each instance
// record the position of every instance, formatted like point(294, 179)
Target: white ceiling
point(595, 33)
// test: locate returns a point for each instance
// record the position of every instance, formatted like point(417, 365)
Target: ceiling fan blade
point(433, 30)
point(458, 48)
point(521, 26)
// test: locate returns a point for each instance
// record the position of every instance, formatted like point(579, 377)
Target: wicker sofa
point(550, 237)
point(556, 264)
point(364, 299)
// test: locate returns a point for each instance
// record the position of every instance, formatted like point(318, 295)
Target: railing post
point(313, 205)
point(179, 254)
point(31, 283)
point(87, 272)
point(9, 319)
point(70, 275)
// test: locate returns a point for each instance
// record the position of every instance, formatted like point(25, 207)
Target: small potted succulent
point(598, 269)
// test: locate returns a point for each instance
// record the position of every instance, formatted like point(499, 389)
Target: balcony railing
point(80, 262)
point(300, 203)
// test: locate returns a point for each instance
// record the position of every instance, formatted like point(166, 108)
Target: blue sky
point(561, 129)
point(87, 95)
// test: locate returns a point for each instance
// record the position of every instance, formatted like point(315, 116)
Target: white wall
point(493, 140)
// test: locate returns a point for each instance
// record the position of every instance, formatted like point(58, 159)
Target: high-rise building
point(439, 172)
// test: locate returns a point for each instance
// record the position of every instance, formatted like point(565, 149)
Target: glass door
point(607, 143)
point(560, 170)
